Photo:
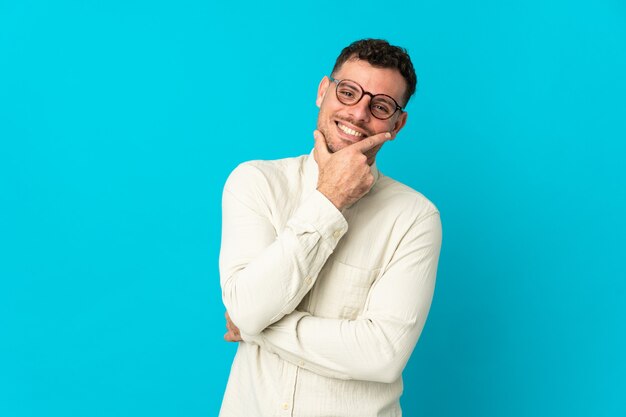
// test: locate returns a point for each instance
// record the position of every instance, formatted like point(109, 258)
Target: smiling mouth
point(348, 131)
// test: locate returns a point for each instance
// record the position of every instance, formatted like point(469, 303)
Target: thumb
point(320, 152)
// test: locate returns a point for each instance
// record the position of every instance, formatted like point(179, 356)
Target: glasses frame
point(363, 93)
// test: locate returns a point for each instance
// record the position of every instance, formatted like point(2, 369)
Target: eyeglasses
point(349, 93)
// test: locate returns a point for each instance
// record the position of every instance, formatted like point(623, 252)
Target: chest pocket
point(341, 290)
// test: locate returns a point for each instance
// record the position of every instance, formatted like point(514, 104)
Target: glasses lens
point(382, 107)
point(348, 92)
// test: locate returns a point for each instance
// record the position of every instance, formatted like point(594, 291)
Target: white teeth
point(349, 131)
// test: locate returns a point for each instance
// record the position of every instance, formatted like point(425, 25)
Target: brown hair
point(379, 53)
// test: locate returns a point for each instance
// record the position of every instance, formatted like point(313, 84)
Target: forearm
point(377, 344)
point(362, 349)
point(264, 276)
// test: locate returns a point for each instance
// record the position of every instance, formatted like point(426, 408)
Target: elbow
point(385, 360)
point(249, 326)
point(386, 370)
point(386, 363)
point(245, 317)
point(246, 321)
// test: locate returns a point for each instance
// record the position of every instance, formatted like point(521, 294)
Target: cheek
point(388, 125)
point(325, 118)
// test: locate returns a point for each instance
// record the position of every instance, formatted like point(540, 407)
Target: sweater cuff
point(317, 211)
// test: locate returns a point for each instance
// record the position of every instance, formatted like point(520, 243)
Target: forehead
point(373, 79)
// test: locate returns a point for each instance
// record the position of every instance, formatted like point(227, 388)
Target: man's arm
point(377, 345)
point(265, 273)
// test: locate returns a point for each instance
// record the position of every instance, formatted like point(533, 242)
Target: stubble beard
point(371, 154)
point(328, 129)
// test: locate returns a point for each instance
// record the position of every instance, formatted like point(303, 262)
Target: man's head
point(379, 53)
point(382, 74)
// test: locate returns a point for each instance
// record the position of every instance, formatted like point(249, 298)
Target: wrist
point(335, 200)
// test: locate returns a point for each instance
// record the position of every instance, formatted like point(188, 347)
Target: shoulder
point(258, 173)
point(404, 200)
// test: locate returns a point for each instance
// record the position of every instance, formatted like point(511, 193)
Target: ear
point(321, 91)
point(400, 122)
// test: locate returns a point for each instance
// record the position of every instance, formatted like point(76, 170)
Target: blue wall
point(120, 120)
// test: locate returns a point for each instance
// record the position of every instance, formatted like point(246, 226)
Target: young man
point(327, 266)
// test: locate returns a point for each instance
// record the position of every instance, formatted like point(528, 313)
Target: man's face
point(338, 122)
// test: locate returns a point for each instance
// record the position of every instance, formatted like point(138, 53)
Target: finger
point(320, 152)
point(230, 337)
point(234, 330)
point(371, 142)
point(231, 327)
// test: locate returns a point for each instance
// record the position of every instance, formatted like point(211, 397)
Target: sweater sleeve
point(264, 272)
point(377, 345)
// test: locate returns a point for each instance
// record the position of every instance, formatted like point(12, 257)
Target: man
point(327, 266)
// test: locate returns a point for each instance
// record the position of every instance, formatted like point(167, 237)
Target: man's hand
point(345, 176)
point(232, 335)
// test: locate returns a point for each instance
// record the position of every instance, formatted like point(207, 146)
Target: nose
point(361, 110)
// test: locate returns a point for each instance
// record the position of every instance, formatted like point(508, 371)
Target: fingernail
point(388, 135)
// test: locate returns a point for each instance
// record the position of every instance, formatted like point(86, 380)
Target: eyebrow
point(366, 91)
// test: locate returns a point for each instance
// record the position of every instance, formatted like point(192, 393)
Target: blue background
point(120, 121)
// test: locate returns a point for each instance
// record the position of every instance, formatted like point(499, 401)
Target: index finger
point(371, 142)
point(321, 149)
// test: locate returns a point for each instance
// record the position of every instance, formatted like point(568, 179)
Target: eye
point(348, 94)
point(381, 108)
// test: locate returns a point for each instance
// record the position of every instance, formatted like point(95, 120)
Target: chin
point(331, 142)
point(334, 142)
point(336, 145)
